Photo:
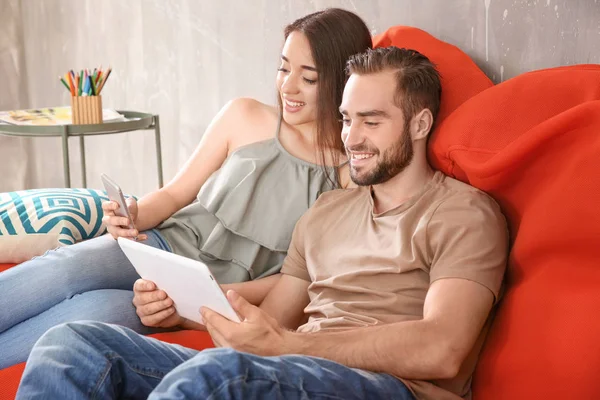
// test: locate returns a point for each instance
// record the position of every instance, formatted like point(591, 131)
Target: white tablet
point(188, 282)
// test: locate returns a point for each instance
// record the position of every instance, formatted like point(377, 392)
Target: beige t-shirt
point(368, 269)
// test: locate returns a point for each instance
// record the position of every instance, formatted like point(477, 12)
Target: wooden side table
point(134, 121)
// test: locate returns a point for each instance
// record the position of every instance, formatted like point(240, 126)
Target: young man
point(396, 280)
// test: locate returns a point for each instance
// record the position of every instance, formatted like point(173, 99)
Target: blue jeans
point(90, 280)
point(91, 360)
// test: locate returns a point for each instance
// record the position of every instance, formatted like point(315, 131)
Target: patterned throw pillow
point(34, 221)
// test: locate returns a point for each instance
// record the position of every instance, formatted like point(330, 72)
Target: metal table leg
point(158, 151)
point(82, 151)
point(65, 149)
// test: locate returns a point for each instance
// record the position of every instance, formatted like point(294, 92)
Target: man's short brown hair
point(417, 79)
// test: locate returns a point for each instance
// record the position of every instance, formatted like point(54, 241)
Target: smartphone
point(115, 194)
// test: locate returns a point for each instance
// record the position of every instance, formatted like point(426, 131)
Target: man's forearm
point(409, 349)
point(253, 291)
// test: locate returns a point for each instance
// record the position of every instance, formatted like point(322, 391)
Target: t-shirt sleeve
point(295, 262)
point(468, 238)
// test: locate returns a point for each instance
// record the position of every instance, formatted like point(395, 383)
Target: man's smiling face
point(375, 133)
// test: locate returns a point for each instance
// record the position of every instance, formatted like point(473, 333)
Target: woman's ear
point(421, 124)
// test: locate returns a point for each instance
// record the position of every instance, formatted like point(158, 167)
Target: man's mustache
point(361, 149)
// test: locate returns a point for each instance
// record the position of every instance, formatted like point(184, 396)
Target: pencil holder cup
point(86, 110)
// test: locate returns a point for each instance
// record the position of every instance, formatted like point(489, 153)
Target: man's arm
point(455, 311)
point(287, 300)
point(262, 330)
point(282, 296)
point(253, 291)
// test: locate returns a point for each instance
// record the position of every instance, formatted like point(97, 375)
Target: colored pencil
point(92, 86)
point(108, 71)
point(64, 83)
point(71, 85)
point(86, 86)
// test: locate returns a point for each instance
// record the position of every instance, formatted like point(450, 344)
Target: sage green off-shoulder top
point(242, 222)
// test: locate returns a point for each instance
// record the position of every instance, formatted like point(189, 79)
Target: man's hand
point(153, 306)
point(258, 333)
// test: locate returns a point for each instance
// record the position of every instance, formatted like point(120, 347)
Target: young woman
point(232, 206)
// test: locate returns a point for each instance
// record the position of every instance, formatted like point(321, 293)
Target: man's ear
point(421, 124)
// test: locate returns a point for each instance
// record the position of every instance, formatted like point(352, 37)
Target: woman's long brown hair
point(334, 35)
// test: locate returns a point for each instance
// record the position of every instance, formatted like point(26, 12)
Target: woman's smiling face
point(297, 81)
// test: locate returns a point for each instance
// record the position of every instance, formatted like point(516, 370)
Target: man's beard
point(393, 161)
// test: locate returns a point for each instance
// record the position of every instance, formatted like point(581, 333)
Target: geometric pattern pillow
point(34, 221)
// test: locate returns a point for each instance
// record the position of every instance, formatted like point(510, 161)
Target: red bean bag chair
point(533, 143)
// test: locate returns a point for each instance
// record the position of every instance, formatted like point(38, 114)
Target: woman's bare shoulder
point(251, 109)
point(253, 119)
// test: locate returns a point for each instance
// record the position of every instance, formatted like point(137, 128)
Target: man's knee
point(206, 373)
point(225, 356)
point(67, 334)
point(225, 362)
point(61, 332)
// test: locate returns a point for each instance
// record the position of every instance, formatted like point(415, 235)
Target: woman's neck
point(306, 133)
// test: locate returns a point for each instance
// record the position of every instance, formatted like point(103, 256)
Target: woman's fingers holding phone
point(132, 234)
point(114, 220)
point(117, 227)
point(109, 207)
point(110, 220)
point(133, 208)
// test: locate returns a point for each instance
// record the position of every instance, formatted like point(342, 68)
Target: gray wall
point(504, 37)
point(184, 59)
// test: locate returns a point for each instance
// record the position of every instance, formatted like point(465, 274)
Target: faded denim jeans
point(92, 360)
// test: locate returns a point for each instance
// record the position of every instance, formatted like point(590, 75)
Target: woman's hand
point(118, 226)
